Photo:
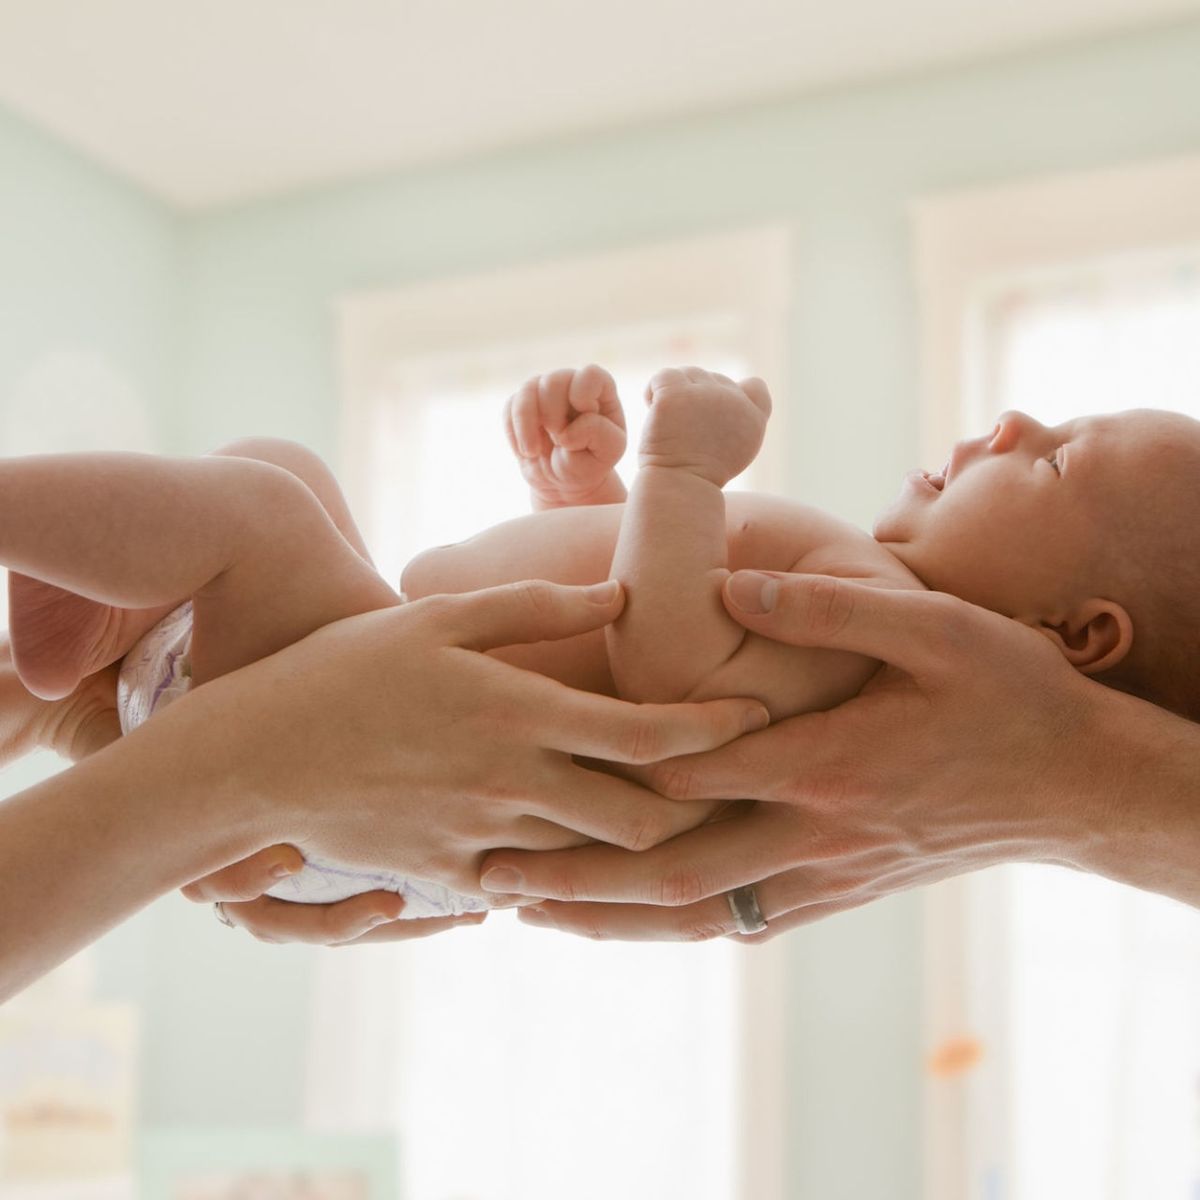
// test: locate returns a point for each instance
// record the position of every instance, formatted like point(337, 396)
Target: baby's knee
point(280, 452)
point(431, 573)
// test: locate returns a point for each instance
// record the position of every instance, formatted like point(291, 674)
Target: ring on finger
point(743, 904)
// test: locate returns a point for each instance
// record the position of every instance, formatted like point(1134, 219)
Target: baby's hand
point(704, 423)
point(568, 432)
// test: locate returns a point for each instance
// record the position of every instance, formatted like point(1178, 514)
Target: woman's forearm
point(1141, 790)
point(88, 848)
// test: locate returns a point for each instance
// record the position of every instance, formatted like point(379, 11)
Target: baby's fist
point(704, 423)
point(567, 430)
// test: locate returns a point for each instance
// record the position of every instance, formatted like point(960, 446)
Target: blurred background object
point(360, 225)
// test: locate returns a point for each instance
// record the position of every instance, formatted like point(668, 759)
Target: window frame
point(967, 245)
point(747, 272)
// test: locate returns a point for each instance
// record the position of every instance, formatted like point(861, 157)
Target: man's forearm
point(86, 849)
point(1139, 791)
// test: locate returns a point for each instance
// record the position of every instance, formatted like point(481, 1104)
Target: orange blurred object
point(955, 1056)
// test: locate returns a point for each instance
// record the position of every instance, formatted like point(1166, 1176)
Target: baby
point(186, 569)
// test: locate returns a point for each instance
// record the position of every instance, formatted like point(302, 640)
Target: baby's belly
point(569, 546)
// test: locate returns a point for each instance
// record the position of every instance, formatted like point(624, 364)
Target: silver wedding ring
point(220, 912)
point(747, 916)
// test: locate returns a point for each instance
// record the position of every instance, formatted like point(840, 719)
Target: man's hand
point(974, 744)
point(704, 423)
point(567, 430)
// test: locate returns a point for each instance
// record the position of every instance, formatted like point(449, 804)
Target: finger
point(596, 435)
point(582, 722)
point(608, 809)
point(756, 389)
point(532, 610)
point(554, 407)
point(272, 920)
point(665, 378)
point(594, 726)
point(593, 390)
point(510, 429)
point(703, 921)
point(248, 879)
point(404, 931)
point(526, 421)
point(913, 630)
point(693, 866)
point(633, 922)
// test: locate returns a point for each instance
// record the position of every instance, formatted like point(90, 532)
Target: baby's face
point(1027, 520)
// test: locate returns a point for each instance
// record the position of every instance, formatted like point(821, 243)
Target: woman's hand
point(402, 745)
point(369, 917)
point(975, 744)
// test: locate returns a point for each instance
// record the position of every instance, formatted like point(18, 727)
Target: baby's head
point(1089, 531)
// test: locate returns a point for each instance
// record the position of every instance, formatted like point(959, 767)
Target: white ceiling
point(207, 102)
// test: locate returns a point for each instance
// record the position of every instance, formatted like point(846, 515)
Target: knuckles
point(673, 780)
point(830, 606)
point(641, 742)
point(680, 886)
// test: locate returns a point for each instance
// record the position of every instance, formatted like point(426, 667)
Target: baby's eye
point(1052, 459)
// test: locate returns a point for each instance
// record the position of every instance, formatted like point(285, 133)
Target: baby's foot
point(59, 638)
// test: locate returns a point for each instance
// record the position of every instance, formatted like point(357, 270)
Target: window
point(516, 1062)
point(1084, 993)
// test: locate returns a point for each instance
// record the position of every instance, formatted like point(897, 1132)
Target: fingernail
point(752, 592)
point(536, 916)
point(281, 870)
point(502, 879)
point(602, 593)
point(757, 718)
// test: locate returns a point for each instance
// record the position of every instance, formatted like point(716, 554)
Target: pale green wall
point(88, 264)
point(85, 259)
point(843, 169)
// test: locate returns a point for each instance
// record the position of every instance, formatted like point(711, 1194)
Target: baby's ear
point(1095, 636)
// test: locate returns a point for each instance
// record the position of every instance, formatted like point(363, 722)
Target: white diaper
point(158, 671)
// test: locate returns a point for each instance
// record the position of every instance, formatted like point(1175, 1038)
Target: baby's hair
point(1164, 665)
point(1163, 580)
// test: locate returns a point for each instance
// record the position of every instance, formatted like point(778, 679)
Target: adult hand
point(402, 745)
point(369, 917)
point(974, 744)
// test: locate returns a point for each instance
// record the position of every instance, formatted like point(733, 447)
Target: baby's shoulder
point(776, 534)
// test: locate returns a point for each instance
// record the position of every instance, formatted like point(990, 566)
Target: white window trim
point(965, 244)
point(746, 272)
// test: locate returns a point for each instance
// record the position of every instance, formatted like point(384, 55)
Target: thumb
point(908, 628)
point(531, 611)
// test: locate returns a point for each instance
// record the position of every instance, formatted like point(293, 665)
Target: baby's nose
point(1010, 428)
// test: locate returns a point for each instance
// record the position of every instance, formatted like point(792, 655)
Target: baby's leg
point(58, 637)
point(142, 533)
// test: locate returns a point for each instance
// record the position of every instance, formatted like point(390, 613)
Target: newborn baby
point(186, 569)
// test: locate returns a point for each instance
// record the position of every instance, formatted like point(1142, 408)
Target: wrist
point(199, 767)
point(1138, 798)
point(610, 490)
point(705, 470)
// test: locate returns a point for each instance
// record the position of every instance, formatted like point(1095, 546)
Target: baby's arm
point(674, 639)
point(568, 433)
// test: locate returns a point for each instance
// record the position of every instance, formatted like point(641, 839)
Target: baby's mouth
point(938, 479)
